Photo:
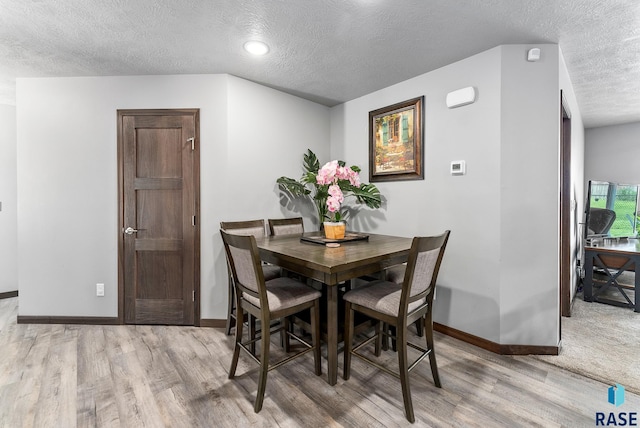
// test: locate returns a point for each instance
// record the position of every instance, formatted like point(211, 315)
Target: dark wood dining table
point(333, 266)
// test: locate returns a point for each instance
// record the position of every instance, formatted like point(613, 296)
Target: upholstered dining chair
point(267, 300)
point(399, 307)
point(250, 227)
point(285, 226)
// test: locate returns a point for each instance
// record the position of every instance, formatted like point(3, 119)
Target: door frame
point(565, 209)
point(196, 178)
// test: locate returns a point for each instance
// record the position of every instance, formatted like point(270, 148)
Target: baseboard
point(31, 319)
point(221, 323)
point(496, 348)
point(213, 323)
point(35, 319)
point(9, 294)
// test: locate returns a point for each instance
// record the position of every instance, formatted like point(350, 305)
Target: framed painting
point(396, 142)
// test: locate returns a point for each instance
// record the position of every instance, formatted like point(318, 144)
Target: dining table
point(312, 256)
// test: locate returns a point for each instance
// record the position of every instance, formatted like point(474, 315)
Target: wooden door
point(159, 256)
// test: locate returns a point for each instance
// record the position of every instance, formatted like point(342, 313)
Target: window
point(621, 198)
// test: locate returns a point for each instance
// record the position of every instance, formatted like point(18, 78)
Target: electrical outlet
point(100, 290)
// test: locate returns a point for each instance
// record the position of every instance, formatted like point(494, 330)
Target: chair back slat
point(422, 270)
point(250, 227)
point(286, 226)
point(243, 259)
point(287, 229)
point(245, 273)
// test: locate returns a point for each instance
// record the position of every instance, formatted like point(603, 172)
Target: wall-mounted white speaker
point(461, 97)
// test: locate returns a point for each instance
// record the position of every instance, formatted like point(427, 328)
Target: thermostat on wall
point(458, 167)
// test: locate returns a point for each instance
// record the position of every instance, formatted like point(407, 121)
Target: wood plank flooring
point(155, 376)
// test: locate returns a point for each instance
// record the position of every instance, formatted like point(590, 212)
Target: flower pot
point(334, 230)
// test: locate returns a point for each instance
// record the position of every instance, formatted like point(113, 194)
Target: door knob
point(130, 230)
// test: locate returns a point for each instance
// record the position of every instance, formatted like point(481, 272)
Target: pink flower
point(353, 177)
point(333, 204)
point(327, 174)
point(342, 173)
point(336, 193)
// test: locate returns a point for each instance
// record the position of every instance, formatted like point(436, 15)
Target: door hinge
point(193, 298)
point(193, 221)
point(193, 144)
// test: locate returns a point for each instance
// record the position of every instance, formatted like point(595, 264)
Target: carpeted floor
point(602, 342)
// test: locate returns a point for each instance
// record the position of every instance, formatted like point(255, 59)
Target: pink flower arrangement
point(329, 186)
point(329, 174)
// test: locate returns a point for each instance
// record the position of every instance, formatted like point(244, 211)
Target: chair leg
point(432, 355)
point(284, 337)
point(236, 349)
point(385, 338)
point(252, 331)
point(231, 308)
point(315, 336)
point(264, 366)
point(420, 327)
point(378, 344)
point(394, 345)
point(404, 371)
point(348, 338)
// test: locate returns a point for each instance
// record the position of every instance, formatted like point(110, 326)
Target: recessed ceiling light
point(255, 47)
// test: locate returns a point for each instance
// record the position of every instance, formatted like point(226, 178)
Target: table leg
point(332, 333)
point(588, 277)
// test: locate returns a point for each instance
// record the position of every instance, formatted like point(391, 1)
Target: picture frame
point(396, 142)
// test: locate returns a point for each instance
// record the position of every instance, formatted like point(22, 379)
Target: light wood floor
point(153, 376)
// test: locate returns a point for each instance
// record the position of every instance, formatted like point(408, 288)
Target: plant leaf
point(311, 163)
point(294, 187)
point(309, 177)
point(367, 194)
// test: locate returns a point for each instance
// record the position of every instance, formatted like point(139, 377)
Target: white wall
point(612, 153)
point(8, 199)
point(67, 174)
point(499, 281)
point(442, 201)
point(268, 133)
point(529, 189)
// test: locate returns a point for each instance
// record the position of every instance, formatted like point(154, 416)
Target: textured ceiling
point(329, 51)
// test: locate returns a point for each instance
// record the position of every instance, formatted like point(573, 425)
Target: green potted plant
point(329, 186)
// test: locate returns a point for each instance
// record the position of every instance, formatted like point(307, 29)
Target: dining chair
point(288, 226)
point(285, 226)
point(399, 307)
point(249, 227)
point(278, 298)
